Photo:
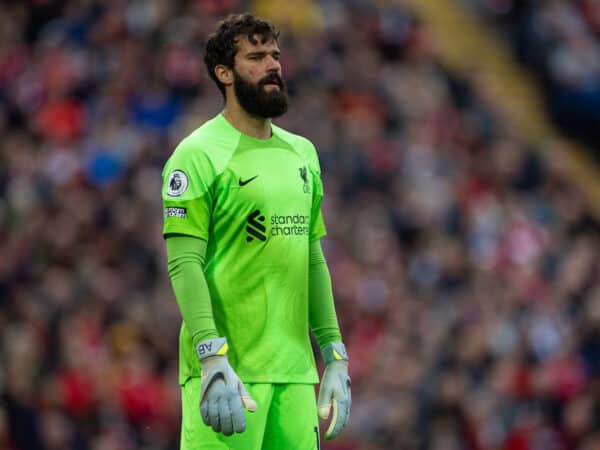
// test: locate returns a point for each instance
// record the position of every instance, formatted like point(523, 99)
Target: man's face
point(258, 84)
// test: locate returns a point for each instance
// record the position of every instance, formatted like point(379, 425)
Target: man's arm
point(335, 385)
point(322, 316)
point(223, 396)
point(185, 257)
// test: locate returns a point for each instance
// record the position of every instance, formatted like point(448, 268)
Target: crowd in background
point(560, 41)
point(465, 267)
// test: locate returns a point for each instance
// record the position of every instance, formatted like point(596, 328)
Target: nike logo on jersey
point(245, 182)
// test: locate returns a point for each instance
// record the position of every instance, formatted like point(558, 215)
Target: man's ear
point(224, 74)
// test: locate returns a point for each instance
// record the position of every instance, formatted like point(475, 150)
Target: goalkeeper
point(242, 208)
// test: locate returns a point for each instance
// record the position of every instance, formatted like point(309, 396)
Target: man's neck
point(256, 127)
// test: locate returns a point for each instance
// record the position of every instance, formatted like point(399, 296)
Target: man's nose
point(273, 65)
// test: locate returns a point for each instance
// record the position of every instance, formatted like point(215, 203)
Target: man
point(243, 225)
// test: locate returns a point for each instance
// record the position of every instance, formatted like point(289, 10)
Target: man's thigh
point(292, 423)
point(195, 435)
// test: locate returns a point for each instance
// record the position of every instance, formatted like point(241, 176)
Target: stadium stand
point(560, 41)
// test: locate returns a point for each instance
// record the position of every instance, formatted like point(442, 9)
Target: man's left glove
point(335, 389)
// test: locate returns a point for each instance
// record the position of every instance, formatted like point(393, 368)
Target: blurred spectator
point(466, 270)
point(560, 41)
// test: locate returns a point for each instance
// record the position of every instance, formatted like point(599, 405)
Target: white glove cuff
point(336, 351)
point(212, 347)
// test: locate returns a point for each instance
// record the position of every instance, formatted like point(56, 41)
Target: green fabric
point(293, 421)
point(185, 259)
point(271, 427)
point(322, 316)
point(257, 203)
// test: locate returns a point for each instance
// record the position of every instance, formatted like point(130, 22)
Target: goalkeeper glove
point(222, 394)
point(335, 389)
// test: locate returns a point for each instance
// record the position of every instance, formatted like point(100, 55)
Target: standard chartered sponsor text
point(287, 225)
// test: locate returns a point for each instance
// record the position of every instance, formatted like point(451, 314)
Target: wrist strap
point(212, 347)
point(336, 351)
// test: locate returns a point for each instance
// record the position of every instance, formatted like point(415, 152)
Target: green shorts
point(286, 418)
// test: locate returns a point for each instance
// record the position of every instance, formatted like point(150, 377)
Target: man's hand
point(335, 389)
point(223, 395)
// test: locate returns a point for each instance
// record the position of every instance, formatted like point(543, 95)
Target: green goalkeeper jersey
point(257, 203)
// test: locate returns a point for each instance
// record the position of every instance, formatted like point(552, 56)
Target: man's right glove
point(335, 389)
point(222, 393)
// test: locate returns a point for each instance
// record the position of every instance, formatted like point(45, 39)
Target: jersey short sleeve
point(187, 192)
point(317, 225)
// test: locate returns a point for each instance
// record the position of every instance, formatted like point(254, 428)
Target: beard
point(256, 101)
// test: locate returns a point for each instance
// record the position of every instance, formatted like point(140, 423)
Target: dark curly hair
point(221, 46)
